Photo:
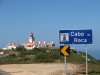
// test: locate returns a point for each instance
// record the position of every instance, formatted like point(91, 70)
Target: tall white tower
point(31, 38)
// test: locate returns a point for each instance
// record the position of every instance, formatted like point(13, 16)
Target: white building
point(11, 46)
point(1, 52)
point(32, 44)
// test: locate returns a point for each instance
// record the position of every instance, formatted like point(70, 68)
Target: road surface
point(41, 69)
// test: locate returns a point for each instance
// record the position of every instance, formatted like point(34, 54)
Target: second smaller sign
point(65, 50)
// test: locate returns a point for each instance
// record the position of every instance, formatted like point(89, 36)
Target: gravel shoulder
point(41, 69)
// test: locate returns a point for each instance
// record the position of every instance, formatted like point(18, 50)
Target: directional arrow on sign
point(65, 50)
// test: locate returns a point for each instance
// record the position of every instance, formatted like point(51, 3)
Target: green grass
point(41, 55)
point(94, 69)
point(3, 55)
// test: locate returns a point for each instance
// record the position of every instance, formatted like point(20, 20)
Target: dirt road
point(41, 69)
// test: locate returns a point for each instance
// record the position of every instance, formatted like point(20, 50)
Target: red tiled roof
point(29, 43)
point(49, 43)
point(41, 42)
point(37, 43)
point(13, 44)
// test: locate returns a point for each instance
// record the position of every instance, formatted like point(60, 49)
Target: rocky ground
point(42, 69)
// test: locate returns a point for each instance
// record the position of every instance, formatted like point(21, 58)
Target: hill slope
point(49, 55)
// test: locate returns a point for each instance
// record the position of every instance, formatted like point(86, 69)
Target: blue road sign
point(75, 36)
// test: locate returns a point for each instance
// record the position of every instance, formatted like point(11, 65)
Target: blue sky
point(46, 17)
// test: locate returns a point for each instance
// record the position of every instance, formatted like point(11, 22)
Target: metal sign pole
point(86, 61)
point(72, 36)
point(65, 65)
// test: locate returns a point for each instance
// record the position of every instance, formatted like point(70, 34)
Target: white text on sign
point(78, 34)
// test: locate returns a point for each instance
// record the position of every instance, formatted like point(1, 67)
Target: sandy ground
point(41, 69)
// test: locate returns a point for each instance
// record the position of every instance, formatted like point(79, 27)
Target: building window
point(29, 45)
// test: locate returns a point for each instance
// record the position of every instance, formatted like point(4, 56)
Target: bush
point(43, 57)
point(46, 57)
point(11, 56)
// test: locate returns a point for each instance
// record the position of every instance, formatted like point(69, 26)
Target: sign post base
point(65, 66)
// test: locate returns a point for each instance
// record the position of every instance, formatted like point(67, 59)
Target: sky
point(46, 17)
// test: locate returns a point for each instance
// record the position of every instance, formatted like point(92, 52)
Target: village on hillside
point(31, 44)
